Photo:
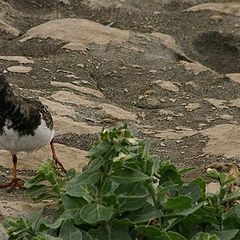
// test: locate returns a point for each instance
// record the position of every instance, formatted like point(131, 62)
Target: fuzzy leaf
point(94, 213)
point(126, 175)
point(69, 232)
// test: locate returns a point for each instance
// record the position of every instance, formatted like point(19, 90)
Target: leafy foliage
point(126, 193)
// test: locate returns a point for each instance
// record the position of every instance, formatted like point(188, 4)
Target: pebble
point(19, 69)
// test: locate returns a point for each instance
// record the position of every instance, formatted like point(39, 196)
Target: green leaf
point(77, 190)
point(120, 232)
point(226, 235)
point(179, 203)
point(231, 219)
point(156, 163)
point(145, 214)
point(126, 175)
point(94, 213)
point(213, 173)
point(69, 232)
point(45, 236)
point(201, 183)
point(72, 206)
point(155, 233)
point(169, 172)
point(99, 234)
point(231, 196)
point(175, 236)
point(86, 235)
point(131, 196)
point(205, 236)
point(85, 178)
point(185, 170)
point(36, 220)
point(96, 164)
point(185, 212)
point(35, 188)
point(18, 228)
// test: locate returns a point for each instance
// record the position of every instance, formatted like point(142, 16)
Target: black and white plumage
point(25, 126)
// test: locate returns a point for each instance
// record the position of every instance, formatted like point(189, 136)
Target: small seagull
point(25, 125)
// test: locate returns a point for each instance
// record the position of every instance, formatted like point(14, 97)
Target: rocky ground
point(169, 68)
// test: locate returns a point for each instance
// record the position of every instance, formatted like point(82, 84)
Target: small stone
point(169, 118)
point(19, 69)
point(122, 68)
point(162, 144)
point(137, 66)
point(226, 117)
point(216, 18)
point(71, 76)
point(173, 100)
point(213, 188)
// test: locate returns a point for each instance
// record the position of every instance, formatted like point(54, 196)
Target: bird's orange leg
point(54, 156)
point(15, 183)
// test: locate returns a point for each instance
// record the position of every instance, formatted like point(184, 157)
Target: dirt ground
point(169, 68)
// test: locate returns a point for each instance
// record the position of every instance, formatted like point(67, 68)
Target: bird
point(26, 125)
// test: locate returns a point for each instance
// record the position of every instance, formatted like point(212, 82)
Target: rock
point(195, 67)
point(168, 41)
point(232, 8)
point(18, 208)
point(58, 108)
point(216, 18)
point(166, 112)
point(151, 102)
point(213, 188)
point(64, 125)
point(223, 140)
point(19, 69)
point(167, 85)
point(5, 27)
point(20, 59)
point(235, 102)
point(217, 103)
point(85, 90)
point(69, 157)
point(85, 32)
point(235, 77)
point(103, 3)
point(118, 113)
point(70, 97)
point(71, 76)
point(226, 117)
point(173, 134)
point(192, 106)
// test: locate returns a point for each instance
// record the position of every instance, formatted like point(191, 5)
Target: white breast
point(11, 141)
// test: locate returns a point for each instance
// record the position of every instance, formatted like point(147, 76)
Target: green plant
point(126, 193)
